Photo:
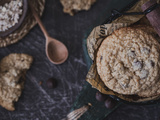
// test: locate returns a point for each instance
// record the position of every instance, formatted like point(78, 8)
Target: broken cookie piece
point(73, 6)
point(12, 72)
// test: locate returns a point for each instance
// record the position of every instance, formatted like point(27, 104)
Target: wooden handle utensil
point(153, 14)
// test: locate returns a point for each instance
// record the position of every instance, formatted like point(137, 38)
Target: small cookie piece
point(72, 6)
point(12, 72)
point(128, 62)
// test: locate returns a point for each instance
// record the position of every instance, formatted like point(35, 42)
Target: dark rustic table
point(40, 103)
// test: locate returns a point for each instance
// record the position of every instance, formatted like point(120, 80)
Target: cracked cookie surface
point(128, 62)
point(12, 71)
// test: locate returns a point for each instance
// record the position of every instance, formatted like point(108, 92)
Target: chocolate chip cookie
point(12, 71)
point(128, 62)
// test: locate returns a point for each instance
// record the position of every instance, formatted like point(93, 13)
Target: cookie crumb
point(40, 83)
point(12, 71)
point(73, 6)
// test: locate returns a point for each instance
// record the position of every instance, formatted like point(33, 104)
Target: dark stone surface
point(40, 103)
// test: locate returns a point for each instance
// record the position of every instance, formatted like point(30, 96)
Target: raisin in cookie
point(12, 70)
point(128, 62)
point(72, 6)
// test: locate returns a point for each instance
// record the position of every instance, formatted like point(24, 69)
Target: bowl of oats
point(12, 14)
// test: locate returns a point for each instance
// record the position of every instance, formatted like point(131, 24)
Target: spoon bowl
point(57, 53)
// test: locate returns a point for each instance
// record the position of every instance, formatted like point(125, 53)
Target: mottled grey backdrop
point(40, 103)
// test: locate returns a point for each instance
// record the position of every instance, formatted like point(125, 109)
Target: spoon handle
point(39, 21)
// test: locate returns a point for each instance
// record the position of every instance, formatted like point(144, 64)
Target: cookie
point(128, 62)
point(73, 6)
point(12, 72)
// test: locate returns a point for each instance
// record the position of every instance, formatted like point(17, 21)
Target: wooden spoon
point(56, 51)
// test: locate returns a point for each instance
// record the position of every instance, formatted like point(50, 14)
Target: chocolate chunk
point(150, 64)
point(144, 74)
point(131, 53)
point(110, 103)
point(137, 65)
point(52, 83)
point(100, 97)
point(101, 58)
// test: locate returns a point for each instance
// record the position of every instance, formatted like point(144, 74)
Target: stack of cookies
point(128, 62)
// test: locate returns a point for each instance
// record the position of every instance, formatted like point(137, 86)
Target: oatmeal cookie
point(72, 6)
point(12, 71)
point(128, 62)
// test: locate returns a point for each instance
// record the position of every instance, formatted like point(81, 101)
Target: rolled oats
point(10, 14)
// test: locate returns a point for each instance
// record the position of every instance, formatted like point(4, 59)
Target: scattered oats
point(10, 14)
